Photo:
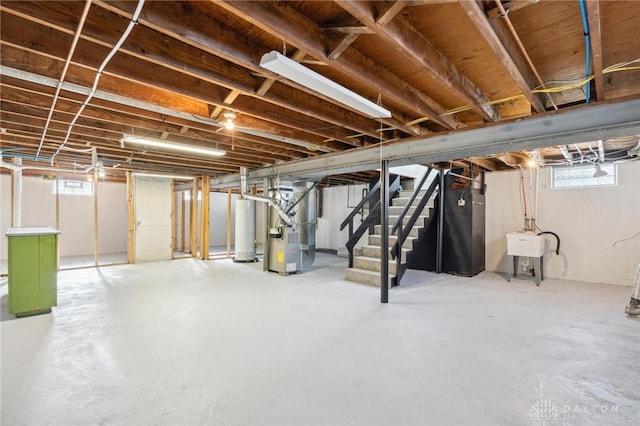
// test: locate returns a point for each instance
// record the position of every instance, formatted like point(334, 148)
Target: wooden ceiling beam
point(94, 118)
point(58, 131)
point(31, 140)
point(113, 111)
point(170, 53)
point(500, 42)
point(350, 37)
point(285, 23)
point(178, 21)
point(110, 133)
point(595, 34)
point(485, 163)
point(402, 35)
point(342, 46)
point(509, 6)
point(147, 81)
point(350, 30)
point(391, 13)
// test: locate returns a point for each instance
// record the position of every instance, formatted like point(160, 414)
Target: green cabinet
point(33, 270)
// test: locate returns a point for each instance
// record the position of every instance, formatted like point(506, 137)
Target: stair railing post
point(440, 222)
point(384, 237)
point(399, 256)
point(351, 249)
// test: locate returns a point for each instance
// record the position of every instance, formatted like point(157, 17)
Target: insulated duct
point(244, 188)
point(305, 197)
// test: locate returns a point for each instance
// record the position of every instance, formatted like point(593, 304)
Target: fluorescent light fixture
point(157, 143)
point(162, 175)
point(280, 64)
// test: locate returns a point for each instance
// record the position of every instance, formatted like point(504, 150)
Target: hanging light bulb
point(229, 117)
point(599, 172)
point(535, 159)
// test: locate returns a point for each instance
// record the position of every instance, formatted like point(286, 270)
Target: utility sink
point(525, 244)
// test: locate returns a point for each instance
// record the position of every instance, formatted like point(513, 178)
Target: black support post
point(440, 223)
point(384, 232)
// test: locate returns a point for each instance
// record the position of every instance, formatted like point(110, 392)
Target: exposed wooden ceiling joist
point(186, 63)
point(403, 36)
point(499, 40)
point(285, 23)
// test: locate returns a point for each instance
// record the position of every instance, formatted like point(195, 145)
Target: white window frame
point(79, 187)
point(583, 176)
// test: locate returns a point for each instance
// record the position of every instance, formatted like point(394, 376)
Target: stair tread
point(374, 259)
point(368, 272)
point(374, 246)
point(394, 236)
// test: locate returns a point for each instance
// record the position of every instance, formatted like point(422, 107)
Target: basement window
point(583, 176)
point(72, 187)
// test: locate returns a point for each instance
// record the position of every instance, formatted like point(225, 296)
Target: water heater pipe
point(244, 189)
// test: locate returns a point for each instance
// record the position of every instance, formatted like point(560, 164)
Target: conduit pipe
point(74, 43)
point(244, 189)
point(19, 166)
point(504, 14)
point(116, 47)
point(587, 43)
point(17, 193)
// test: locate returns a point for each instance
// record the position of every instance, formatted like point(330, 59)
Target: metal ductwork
point(305, 215)
point(244, 188)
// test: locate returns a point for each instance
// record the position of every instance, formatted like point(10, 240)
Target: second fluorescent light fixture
point(157, 143)
point(280, 64)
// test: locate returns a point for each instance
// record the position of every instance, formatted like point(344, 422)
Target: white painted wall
point(112, 217)
point(337, 203)
point(5, 212)
point(76, 215)
point(589, 221)
point(218, 219)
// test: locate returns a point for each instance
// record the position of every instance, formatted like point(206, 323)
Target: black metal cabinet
point(463, 247)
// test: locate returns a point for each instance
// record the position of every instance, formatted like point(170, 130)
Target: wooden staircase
point(366, 265)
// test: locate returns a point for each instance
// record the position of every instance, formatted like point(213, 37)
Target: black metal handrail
point(373, 218)
point(404, 231)
point(411, 200)
point(356, 210)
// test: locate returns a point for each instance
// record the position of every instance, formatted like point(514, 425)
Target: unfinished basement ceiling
point(438, 66)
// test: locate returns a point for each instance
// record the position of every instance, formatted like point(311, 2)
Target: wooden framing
point(437, 65)
point(131, 224)
point(595, 33)
point(13, 194)
point(204, 218)
point(183, 219)
point(499, 40)
point(193, 220)
point(174, 222)
point(96, 245)
point(57, 215)
point(228, 222)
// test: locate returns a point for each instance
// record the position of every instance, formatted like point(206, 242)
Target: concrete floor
point(190, 342)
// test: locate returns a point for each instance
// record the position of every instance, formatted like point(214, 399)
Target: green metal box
point(33, 269)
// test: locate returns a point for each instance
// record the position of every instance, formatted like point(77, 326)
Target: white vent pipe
point(244, 189)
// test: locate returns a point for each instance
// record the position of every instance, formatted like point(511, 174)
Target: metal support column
point(384, 233)
point(266, 220)
point(440, 223)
